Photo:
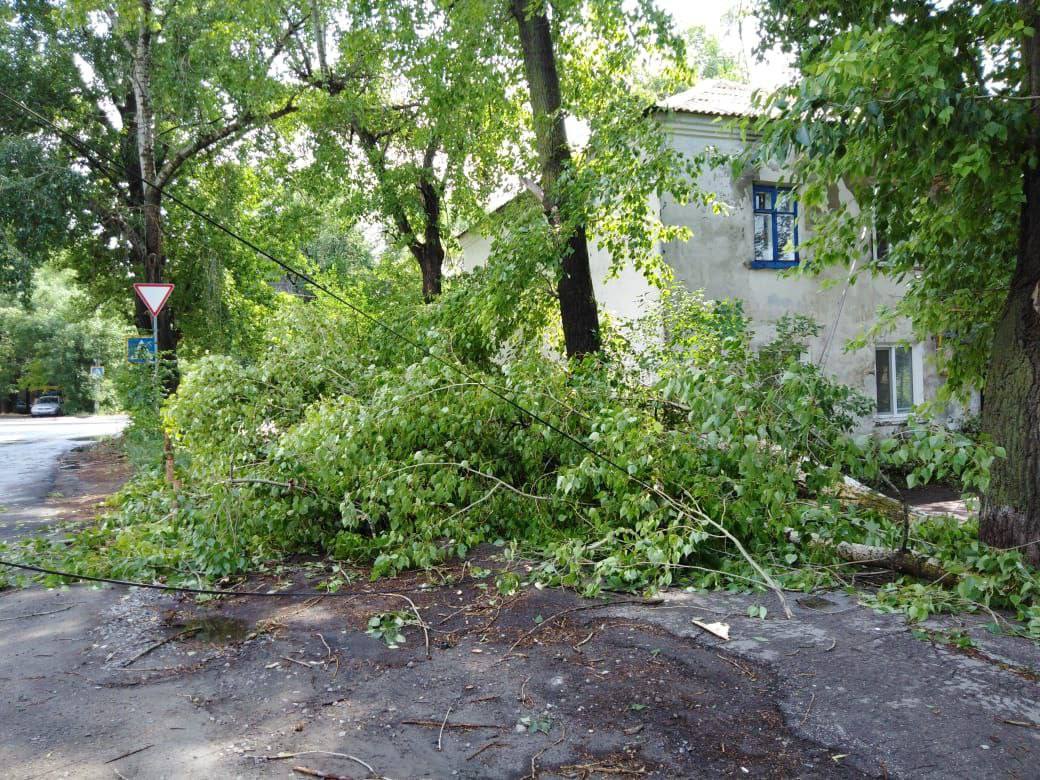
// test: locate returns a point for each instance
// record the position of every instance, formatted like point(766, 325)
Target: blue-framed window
point(776, 227)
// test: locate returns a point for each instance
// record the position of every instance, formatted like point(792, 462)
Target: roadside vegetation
point(346, 443)
point(49, 341)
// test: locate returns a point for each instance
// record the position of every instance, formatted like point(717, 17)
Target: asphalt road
point(29, 453)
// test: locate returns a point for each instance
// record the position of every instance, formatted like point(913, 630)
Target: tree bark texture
point(577, 297)
point(1010, 513)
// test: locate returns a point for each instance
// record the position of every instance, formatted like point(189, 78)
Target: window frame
point(916, 382)
point(773, 191)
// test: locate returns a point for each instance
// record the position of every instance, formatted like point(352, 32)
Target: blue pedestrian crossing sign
point(140, 349)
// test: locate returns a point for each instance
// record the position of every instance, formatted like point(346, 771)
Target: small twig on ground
point(592, 633)
point(808, 709)
point(488, 746)
point(327, 648)
point(600, 768)
point(440, 734)
point(1023, 723)
point(127, 755)
point(304, 664)
point(161, 642)
point(536, 756)
point(523, 698)
point(551, 618)
point(436, 724)
point(739, 667)
point(283, 756)
point(40, 614)
point(303, 770)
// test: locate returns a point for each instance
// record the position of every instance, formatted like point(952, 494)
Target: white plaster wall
point(717, 260)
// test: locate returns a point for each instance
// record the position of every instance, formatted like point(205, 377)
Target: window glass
point(884, 382)
point(785, 236)
point(785, 200)
point(763, 237)
point(776, 225)
point(904, 380)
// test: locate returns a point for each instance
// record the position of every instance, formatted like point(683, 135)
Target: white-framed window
point(898, 379)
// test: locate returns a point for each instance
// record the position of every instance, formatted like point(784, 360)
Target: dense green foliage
point(344, 441)
point(680, 454)
point(52, 341)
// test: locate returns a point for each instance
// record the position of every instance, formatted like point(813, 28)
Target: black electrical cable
point(178, 589)
point(285, 594)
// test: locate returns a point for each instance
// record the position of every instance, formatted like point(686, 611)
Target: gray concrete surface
point(29, 453)
point(838, 691)
point(898, 705)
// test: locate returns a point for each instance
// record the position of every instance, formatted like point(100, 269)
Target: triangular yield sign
point(154, 296)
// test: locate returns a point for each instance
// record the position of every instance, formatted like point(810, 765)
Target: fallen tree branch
point(161, 642)
point(897, 560)
point(39, 614)
point(856, 492)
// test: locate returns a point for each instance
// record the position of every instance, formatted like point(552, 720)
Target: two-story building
point(744, 253)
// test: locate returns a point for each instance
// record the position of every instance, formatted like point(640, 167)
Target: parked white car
point(46, 406)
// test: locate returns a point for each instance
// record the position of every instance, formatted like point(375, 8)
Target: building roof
point(714, 97)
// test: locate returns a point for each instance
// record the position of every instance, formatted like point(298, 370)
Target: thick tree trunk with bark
point(1010, 514)
point(431, 255)
point(577, 298)
point(431, 263)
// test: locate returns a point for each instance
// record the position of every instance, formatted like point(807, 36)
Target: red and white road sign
point(154, 296)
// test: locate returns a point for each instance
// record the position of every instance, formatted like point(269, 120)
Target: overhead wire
point(108, 167)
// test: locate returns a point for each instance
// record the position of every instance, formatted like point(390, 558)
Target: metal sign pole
point(155, 344)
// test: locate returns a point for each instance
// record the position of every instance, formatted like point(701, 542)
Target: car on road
point(47, 406)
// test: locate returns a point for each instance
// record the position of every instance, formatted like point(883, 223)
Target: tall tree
point(417, 92)
point(930, 112)
point(150, 87)
point(574, 288)
point(707, 57)
point(150, 36)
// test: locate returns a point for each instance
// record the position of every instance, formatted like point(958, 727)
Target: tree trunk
point(155, 257)
point(431, 262)
point(431, 254)
point(1010, 514)
point(577, 297)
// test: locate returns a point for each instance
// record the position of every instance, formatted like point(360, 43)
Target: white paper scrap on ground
point(721, 630)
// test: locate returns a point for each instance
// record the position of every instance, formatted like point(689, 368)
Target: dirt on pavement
point(87, 476)
point(107, 683)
